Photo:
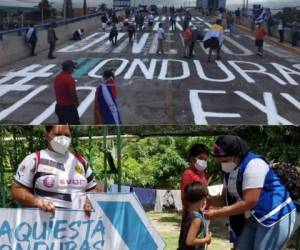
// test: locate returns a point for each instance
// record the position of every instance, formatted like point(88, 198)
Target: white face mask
point(201, 165)
point(228, 167)
point(60, 144)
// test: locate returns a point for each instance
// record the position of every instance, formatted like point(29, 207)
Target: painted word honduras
point(35, 234)
point(229, 72)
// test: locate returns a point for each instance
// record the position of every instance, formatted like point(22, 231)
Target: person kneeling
point(78, 34)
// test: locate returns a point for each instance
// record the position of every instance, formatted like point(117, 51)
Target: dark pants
point(32, 46)
point(192, 45)
point(51, 49)
point(130, 35)
point(173, 25)
point(67, 114)
point(114, 40)
point(294, 38)
point(281, 36)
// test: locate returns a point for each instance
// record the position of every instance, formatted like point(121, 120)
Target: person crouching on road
point(78, 34)
point(213, 39)
point(66, 96)
point(106, 109)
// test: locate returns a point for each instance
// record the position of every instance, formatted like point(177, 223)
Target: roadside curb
point(273, 40)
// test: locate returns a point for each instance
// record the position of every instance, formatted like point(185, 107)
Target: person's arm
point(192, 240)
point(25, 197)
point(73, 93)
point(218, 200)
point(250, 199)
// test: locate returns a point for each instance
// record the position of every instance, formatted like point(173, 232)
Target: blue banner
point(118, 222)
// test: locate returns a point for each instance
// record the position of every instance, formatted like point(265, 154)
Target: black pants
point(192, 45)
point(51, 49)
point(281, 35)
point(173, 25)
point(130, 35)
point(114, 40)
point(67, 114)
point(32, 46)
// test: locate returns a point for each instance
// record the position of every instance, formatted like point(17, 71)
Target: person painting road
point(54, 177)
point(213, 39)
point(261, 212)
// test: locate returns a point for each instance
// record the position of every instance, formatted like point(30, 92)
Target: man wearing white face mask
point(260, 210)
point(54, 177)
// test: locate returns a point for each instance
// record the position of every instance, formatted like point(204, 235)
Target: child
point(260, 34)
point(194, 234)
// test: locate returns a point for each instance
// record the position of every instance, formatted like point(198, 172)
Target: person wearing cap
point(66, 95)
point(106, 109)
point(260, 210)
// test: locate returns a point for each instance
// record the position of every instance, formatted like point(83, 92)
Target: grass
point(168, 226)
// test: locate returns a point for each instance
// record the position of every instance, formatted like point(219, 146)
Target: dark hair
point(219, 21)
point(160, 25)
point(108, 73)
point(48, 128)
point(197, 149)
point(230, 145)
point(195, 191)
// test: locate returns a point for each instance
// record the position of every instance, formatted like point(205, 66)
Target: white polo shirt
point(61, 179)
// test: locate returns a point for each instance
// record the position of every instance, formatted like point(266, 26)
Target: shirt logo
point(23, 167)
point(72, 182)
point(49, 182)
point(79, 169)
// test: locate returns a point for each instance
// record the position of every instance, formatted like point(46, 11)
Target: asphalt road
point(242, 88)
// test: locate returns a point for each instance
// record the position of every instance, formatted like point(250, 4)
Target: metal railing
point(66, 21)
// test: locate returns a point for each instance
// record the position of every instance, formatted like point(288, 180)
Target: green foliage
point(152, 161)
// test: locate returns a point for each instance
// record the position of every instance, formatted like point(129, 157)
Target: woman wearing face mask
point(52, 177)
point(261, 212)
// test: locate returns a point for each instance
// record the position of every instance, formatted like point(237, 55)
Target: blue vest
point(274, 202)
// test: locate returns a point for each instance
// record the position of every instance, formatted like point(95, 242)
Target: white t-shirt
point(254, 177)
point(160, 34)
point(62, 179)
